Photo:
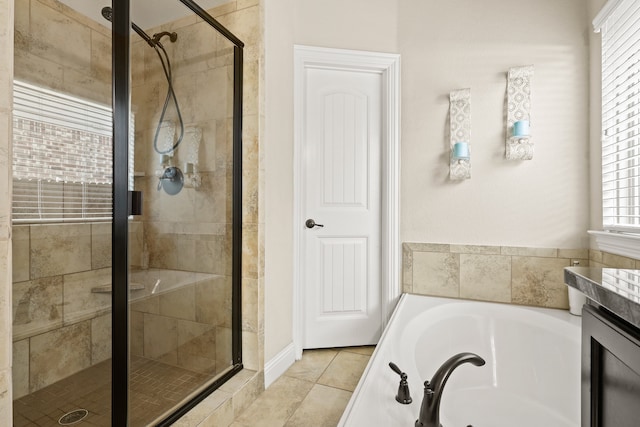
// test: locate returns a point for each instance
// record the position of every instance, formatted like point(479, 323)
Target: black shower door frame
point(121, 29)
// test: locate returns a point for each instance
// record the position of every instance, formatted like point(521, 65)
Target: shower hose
point(166, 67)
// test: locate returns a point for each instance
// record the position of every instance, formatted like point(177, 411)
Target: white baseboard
point(279, 364)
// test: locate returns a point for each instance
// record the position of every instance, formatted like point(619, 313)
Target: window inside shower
point(62, 157)
point(126, 315)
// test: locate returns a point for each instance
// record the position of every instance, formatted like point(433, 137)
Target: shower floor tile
point(155, 389)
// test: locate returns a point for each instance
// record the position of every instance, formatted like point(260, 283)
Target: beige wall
point(6, 85)
point(278, 158)
point(542, 203)
point(470, 44)
point(355, 24)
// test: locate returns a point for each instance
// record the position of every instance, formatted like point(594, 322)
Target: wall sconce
point(460, 151)
point(460, 134)
point(519, 145)
point(460, 167)
point(166, 136)
point(192, 139)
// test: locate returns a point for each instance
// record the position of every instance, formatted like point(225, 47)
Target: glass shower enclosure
point(126, 210)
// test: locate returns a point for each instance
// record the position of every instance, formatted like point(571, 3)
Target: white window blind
point(619, 23)
point(62, 157)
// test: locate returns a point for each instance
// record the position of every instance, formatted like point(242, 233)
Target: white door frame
point(388, 65)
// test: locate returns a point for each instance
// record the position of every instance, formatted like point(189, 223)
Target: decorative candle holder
point(519, 145)
point(192, 139)
point(521, 128)
point(519, 148)
point(166, 136)
point(460, 151)
point(460, 134)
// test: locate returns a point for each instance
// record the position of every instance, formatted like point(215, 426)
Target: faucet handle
point(403, 396)
point(395, 368)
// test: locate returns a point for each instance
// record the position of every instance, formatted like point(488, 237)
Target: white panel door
point(342, 193)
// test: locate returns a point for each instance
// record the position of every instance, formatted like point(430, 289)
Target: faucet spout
point(430, 409)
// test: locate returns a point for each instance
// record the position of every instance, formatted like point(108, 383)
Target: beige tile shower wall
point(189, 327)
point(192, 230)
point(40, 65)
point(54, 268)
point(243, 18)
point(6, 82)
point(46, 55)
point(517, 275)
point(55, 265)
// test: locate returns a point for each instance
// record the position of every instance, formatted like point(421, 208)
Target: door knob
point(311, 223)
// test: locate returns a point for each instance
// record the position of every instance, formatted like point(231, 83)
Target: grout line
point(338, 351)
point(298, 406)
point(313, 384)
point(328, 364)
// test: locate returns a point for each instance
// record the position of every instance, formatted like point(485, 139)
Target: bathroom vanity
point(610, 345)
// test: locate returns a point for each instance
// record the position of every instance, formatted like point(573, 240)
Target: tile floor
point(155, 388)
point(312, 393)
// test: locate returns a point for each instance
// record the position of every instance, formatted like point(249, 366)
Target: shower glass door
point(61, 220)
point(126, 210)
point(185, 88)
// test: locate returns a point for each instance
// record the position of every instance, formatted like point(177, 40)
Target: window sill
point(624, 244)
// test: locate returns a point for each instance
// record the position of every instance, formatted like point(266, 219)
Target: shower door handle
point(311, 223)
point(135, 203)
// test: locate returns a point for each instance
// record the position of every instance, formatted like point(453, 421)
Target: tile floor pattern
point(312, 393)
point(155, 388)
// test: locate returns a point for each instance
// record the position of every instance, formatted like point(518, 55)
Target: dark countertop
point(616, 289)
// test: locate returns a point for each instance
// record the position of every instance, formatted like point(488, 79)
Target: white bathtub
point(531, 378)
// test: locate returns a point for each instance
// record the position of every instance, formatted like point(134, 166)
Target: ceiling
point(145, 13)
